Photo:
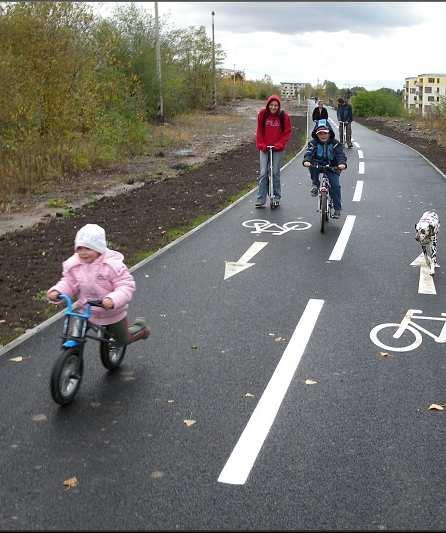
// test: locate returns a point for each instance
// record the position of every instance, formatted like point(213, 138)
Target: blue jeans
point(335, 186)
point(262, 180)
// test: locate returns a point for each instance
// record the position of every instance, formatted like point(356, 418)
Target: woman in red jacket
point(273, 129)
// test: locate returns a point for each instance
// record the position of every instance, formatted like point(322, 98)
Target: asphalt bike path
point(211, 422)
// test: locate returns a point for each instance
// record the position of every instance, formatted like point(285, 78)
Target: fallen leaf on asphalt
point(194, 347)
point(385, 354)
point(71, 482)
point(170, 401)
point(17, 359)
point(310, 382)
point(249, 395)
point(2, 321)
point(436, 407)
point(189, 422)
point(40, 418)
point(157, 474)
point(271, 334)
point(277, 339)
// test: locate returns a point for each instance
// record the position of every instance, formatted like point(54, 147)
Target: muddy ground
point(137, 222)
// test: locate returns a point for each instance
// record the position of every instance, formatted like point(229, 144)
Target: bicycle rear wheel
point(66, 376)
point(323, 211)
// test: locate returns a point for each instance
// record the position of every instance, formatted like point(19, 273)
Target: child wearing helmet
point(324, 149)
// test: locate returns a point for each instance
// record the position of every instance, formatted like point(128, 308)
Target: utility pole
point(233, 85)
point(214, 90)
point(160, 113)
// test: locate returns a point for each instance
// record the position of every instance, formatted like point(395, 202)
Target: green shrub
point(379, 103)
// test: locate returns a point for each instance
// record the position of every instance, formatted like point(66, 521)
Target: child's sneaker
point(314, 190)
point(139, 328)
point(259, 203)
point(337, 213)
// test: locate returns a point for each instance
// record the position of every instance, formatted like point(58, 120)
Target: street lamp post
point(214, 89)
point(160, 113)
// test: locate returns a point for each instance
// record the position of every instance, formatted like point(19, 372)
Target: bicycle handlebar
point(69, 303)
point(323, 167)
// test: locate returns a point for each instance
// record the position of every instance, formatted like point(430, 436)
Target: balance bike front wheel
point(66, 376)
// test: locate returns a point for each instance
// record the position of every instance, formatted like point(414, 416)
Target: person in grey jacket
point(326, 150)
point(345, 114)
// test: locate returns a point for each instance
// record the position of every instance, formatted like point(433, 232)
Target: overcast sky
point(370, 44)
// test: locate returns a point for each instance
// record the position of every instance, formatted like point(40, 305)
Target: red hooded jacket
point(270, 131)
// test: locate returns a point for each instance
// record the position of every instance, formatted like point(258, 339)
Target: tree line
point(80, 91)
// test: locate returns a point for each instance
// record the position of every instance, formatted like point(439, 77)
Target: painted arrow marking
point(426, 283)
point(234, 267)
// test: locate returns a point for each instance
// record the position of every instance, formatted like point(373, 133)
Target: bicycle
point(325, 201)
point(342, 132)
point(273, 202)
point(408, 324)
point(67, 372)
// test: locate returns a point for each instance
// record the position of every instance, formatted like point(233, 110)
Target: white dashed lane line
point(358, 191)
point(341, 243)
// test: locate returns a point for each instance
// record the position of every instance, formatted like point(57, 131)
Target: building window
point(431, 80)
point(415, 97)
point(438, 80)
point(431, 98)
point(412, 91)
point(428, 89)
point(438, 98)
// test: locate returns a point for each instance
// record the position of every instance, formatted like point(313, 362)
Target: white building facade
point(291, 89)
point(424, 92)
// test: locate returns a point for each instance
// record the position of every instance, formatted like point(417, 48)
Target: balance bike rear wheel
point(112, 354)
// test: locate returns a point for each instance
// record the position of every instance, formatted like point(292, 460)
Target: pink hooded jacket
point(106, 276)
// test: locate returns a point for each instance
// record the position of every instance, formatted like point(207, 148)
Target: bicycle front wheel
point(323, 211)
point(406, 338)
point(66, 376)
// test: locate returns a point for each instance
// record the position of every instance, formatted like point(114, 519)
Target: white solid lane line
point(426, 283)
point(361, 167)
point(358, 191)
point(243, 456)
point(341, 243)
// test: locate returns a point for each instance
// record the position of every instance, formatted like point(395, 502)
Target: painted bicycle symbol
point(265, 226)
point(408, 328)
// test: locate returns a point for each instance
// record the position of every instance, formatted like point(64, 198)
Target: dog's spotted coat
point(427, 229)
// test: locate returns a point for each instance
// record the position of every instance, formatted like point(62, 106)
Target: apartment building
point(291, 89)
point(423, 92)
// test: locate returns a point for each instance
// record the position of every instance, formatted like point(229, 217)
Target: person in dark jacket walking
point(320, 111)
point(324, 149)
point(273, 129)
point(345, 114)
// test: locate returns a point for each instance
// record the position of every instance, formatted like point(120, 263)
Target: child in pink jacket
point(96, 272)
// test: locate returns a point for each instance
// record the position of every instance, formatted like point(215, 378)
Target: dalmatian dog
point(426, 233)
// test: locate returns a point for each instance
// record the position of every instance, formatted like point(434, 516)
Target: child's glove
point(53, 296)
